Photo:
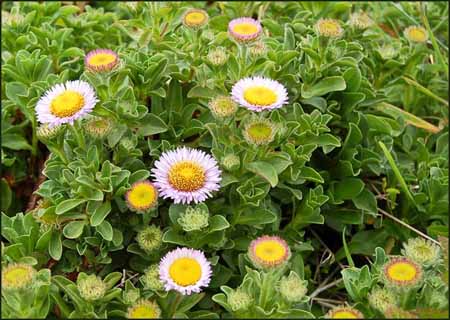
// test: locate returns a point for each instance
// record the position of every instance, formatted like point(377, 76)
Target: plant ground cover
point(224, 159)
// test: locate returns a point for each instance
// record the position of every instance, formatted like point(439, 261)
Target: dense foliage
point(317, 207)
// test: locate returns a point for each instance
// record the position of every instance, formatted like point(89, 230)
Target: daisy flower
point(101, 60)
point(402, 272)
point(244, 29)
point(144, 309)
point(416, 34)
point(269, 252)
point(185, 270)
point(259, 94)
point(65, 103)
point(186, 175)
point(342, 312)
point(141, 196)
point(17, 276)
point(329, 28)
point(195, 18)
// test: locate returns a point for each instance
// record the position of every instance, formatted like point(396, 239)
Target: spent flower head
point(239, 300)
point(17, 276)
point(149, 238)
point(231, 162)
point(98, 127)
point(222, 107)
point(217, 56)
point(91, 287)
point(360, 20)
point(382, 298)
point(144, 309)
point(259, 131)
point(329, 28)
point(422, 251)
point(293, 288)
point(150, 278)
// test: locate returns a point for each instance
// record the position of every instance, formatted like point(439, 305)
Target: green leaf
point(55, 246)
point(151, 124)
point(348, 189)
point(105, 230)
point(100, 214)
point(73, 229)
point(201, 92)
point(256, 217)
point(326, 85)
point(5, 195)
point(68, 205)
point(15, 141)
point(265, 170)
point(310, 174)
point(366, 201)
point(217, 223)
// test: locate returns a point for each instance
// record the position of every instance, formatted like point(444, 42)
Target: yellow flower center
point(187, 176)
point(101, 59)
point(259, 131)
point(260, 96)
point(143, 312)
point(402, 271)
point(16, 276)
point(270, 251)
point(142, 195)
point(417, 34)
point(185, 271)
point(67, 104)
point(245, 28)
point(329, 26)
point(344, 314)
point(195, 18)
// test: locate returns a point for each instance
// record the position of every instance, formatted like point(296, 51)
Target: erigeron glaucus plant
point(224, 160)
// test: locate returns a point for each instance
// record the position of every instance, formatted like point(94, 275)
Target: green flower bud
point(360, 20)
point(91, 287)
point(45, 133)
point(131, 296)
point(217, 56)
point(293, 288)
point(97, 127)
point(239, 300)
point(231, 162)
point(193, 219)
point(222, 107)
point(258, 49)
point(151, 280)
point(149, 238)
point(381, 299)
point(422, 251)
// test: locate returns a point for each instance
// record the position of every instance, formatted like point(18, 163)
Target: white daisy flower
point(259, 94)
point(186, 175)
point(185, 270)
point(65, 103)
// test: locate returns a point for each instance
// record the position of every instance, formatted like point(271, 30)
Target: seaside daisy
point(185, 270)
point(259, 131)
point(259, 93)
point(402, 272)
point(141, 196)
point(244, 29)
point(329, 28)
point(195, 18)
point(17, 276)
point(416, 34)
point(222, 107)
point(100, 60)
point(144, 309)
point(343, 312)
point(268, 252)
point(186, 175)
point(422, 251)
point(65, 103)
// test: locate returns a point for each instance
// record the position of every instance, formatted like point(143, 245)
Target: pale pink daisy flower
point(268, 252)
point(259, 94)
point(185, 270)
point(244, 29)
point(186, 175)
point(65, 103)
point(101, 60)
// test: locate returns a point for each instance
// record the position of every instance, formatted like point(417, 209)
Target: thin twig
point(325, 287)
point(408, 226)
point(328, 300)
point(323, 244)
point(325, 304)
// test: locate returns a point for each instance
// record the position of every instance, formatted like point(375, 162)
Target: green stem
point(77, 131)
point(264, 289)
point(175, 304)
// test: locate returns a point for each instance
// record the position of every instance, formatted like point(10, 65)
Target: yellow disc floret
point(329, 28)
point(17, 276)
point(260, 96)
point(186, 176)
point(245, 28)
point(142, 195)
point(185, 271)
point(416, 34)
point(67, 104)
point(270, 250)
point(344, 313)
point(402, 272)
point(102, 59)
point(195, 18)
point(144, 309)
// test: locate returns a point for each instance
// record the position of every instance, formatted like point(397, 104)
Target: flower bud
point(222, 107)
point(422, 251)
point(217, 56)
point(149, 238)
point(45, 133)
point(239, 300)
point(360, 20)
point(151, 280)
point(292, 288)
point(193, 219)
point(329, 28)
point(131, 296)
point(91, 287)
point(258, 49)
point(231, 162)
point(98, 128)
point(381, 299)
